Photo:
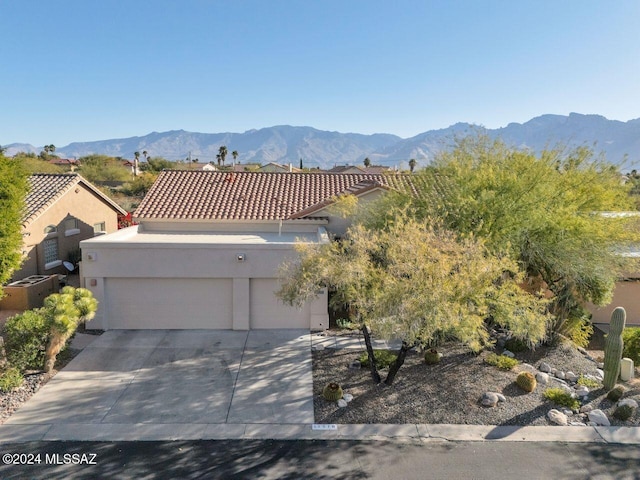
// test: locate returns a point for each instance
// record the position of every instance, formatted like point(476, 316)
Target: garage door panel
point(169, 303)
point(267, 311)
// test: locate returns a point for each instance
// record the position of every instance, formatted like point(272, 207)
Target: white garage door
point(267, 311)
point(169, 303)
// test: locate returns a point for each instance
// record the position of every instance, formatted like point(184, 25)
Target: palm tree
point(367, 162)
point(234, 154)
point(222, 151)
point(412, 164)
point(219, 158)
point(144, 152)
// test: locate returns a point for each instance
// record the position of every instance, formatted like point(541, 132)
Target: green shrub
point(561, 397)
point(10, 379)
point(383, 358)
point(346, 324)
point(631, 349)
point(588, 382)
point(501, 361)
point(27, 335)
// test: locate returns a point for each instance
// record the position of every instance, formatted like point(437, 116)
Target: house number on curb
point(324, 426)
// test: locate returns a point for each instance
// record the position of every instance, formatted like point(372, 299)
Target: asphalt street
point(315, 459)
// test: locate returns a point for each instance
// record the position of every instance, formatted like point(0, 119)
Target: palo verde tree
point(417, 282)
point(13, 191)
point(544, 212)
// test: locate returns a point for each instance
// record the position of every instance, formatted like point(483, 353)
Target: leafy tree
point(417, 282)
point(157, 164)
point(140, 185)
point(367, 162)
point(102, 168)
point(412, 164)
point(13, 191)
point(541, 211)
point(32, 164)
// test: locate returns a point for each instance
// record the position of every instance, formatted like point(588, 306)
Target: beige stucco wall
point(79, 202)
point(627, 295)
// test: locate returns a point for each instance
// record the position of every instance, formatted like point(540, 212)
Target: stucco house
point(208, 247)
point(61, 210)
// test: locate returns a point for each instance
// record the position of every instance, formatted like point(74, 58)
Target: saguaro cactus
point(613, 348)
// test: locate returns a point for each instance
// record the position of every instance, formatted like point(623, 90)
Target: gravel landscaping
point(450, 392)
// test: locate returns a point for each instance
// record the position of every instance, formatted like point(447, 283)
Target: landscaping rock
point(599, 375)
point(508, 353)
point(501, 398)
point(526, 367)
point(628, 401)
point(582, 391)
point(342, 403)
point(571, 377)
point(542, 378)
point(347, 397)
point(599, 417)
point(586, 408)
point(560, 374)
point(318, 347)
point(545, 367)
point(578, 424)
point(557, 417)
point(489, 399)
point(355, 365)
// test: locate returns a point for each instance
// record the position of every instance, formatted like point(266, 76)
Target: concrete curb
point(372, 432)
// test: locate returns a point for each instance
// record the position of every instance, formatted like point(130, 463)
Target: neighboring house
point(273, 167)
point(207, 251)
point(62, 210)
point(374, 169)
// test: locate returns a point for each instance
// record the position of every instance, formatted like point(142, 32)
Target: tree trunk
point(393, 369)
point(372, 360)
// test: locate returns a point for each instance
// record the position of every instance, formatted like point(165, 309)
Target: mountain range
point(619, 141)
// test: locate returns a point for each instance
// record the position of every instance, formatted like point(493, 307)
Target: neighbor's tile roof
point(46, 188)
point(179, 194)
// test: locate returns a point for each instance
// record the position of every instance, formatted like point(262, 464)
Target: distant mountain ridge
point(620, 142)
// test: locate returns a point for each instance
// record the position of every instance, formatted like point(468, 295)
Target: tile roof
point(179, 194)
point(46, 188)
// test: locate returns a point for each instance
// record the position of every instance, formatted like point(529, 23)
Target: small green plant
point(10, 379)
point(561, 397)
point(616, 393)
point(588, 382)
point(623, 412)
point(383, 358)
point(501, 361)
point(346, 324)
point(432, 356)
point(332, 392)
point(613, 347)
point(631, 348)
point(526, 381)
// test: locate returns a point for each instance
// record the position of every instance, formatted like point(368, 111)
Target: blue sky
point(92, 70)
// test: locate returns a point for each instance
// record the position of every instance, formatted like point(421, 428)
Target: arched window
point(50, 229)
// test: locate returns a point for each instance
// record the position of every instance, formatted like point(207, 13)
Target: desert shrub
point(383, 358)
point(588, 382)
point(561, 397)
point(27, 335)
point(578, 328)
point(10, 379)
point(501, 361)
point(631, 349)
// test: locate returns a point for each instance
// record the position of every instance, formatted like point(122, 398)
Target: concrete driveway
point(174, 383)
